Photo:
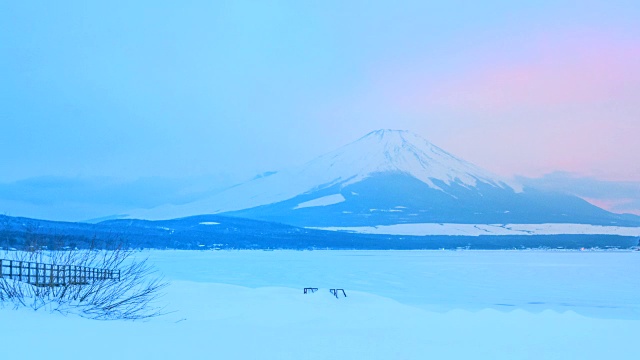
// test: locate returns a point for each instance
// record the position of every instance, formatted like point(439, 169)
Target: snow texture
point(322, 201)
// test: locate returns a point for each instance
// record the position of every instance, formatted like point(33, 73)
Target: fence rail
point(40, 274)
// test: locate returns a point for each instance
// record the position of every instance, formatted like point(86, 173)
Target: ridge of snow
point(402, 151)
point(322, 201)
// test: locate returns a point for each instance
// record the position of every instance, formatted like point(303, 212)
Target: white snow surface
point(399, 305)
point(322, 201)
point(423, 229)
point(382, 151)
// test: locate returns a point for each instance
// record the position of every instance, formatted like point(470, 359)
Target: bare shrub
point(130, 296)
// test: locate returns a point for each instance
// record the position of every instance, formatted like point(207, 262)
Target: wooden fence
point(39, 274)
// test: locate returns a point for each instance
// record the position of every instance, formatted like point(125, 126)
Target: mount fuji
point(390, 177)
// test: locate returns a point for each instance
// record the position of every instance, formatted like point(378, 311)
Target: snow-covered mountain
point(388, 177)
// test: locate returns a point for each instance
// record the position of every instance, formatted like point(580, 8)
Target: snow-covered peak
point(379, 152)
point(398, 151)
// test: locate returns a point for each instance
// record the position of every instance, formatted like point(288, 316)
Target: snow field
point(399, 305)
point(424, 229)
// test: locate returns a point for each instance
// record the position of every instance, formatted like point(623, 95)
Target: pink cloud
point(590, 68)
point(595, 79)
point(569, 104)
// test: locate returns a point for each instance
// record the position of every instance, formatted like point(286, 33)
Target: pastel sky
point(190, 89)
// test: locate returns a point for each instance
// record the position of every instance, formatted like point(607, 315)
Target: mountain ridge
point(380, 151)
point(389, 177)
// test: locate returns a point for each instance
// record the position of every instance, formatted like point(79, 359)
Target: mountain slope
point(379, 152)
point(389, 177)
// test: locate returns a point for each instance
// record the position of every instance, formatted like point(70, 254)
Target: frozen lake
point(400, 305)
point(599, 284)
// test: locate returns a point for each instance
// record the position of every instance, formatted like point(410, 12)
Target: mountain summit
point(397, 151)
point(388, 177)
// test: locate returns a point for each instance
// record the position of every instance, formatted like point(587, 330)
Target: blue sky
point(224, 90)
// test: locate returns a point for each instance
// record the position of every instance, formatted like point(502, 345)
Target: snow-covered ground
point(423, 229)
point(399, 305)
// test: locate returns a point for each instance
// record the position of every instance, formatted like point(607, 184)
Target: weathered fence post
point(57, 277)
point(40, 274)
